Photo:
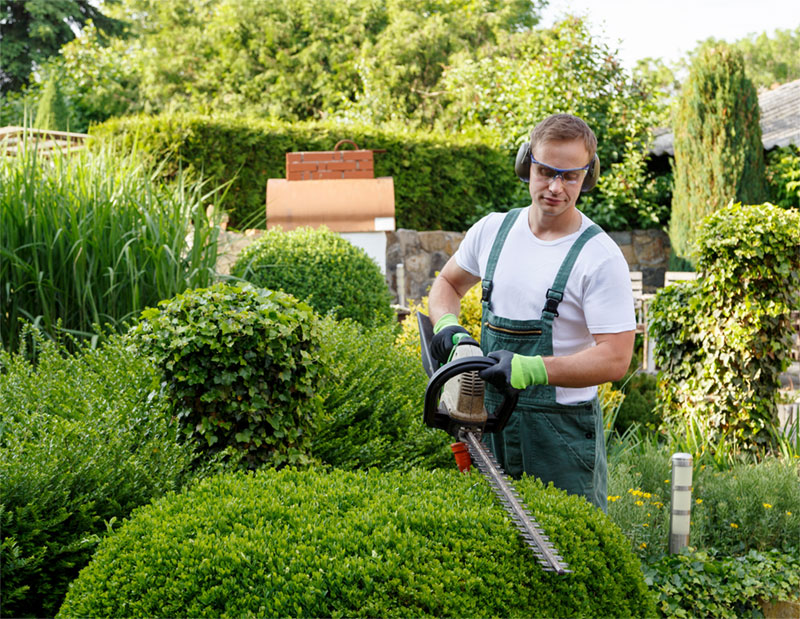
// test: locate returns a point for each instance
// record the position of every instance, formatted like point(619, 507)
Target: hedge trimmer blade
point(532, 533)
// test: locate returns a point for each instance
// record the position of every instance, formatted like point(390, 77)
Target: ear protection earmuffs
point(522, 166)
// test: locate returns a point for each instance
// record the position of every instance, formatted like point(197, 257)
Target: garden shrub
point(84, 439)
point(639, 404)
point(783, 176)
point(723, 340)
point(367, 544)
point(373, 403)
point(639, 497)
point(322, 268)
point(747, 507)
point(719, 156)
point(242, 365)
point(700, 583)
point(438, 177)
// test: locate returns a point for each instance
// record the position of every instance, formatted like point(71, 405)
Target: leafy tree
point(719, 156)
point(533, 74)
point(768, 60)
point(34, 30)
point(52, 111)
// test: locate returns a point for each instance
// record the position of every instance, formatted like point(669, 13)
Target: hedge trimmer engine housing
point(454, 402)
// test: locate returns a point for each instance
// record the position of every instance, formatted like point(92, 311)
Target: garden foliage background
point(140, 386)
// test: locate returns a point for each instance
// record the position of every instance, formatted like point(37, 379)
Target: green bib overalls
point(562, 443)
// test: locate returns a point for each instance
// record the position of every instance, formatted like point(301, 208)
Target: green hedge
point(373, 403)
point(369, 544)
point(84, 439)
point(440, 181)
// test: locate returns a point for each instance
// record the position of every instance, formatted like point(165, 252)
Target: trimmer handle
point(437, 416)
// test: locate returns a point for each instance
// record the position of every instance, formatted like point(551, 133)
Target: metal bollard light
point(401, 284)
point(681, 502)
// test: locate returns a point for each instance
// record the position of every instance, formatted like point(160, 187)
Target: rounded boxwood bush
point(321, 267)
point(368, 544)
point(242, 365)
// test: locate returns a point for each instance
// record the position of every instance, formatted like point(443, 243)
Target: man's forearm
point(443, 299)
point(605, 362)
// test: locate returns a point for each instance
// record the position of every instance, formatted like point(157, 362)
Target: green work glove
point(516, 371)
point(447, 333)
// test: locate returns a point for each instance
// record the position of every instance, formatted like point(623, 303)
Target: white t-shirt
point(598, 297)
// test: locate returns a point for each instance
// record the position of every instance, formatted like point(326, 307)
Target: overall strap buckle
point(486, 287)
point(554, 297)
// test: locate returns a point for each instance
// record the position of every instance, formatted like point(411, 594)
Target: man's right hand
point(447, 333)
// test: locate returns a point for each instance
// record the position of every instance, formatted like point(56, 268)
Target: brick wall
point(333, 164)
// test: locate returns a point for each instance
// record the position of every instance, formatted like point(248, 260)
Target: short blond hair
point(564, 127)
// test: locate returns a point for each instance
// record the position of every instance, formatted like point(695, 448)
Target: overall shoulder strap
point(556, 293)
point(497, 247)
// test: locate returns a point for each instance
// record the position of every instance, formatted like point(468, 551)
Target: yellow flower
point(698, 501)
point(734, 525)
point(639, 503)
point(666, 481)
point(643, 545)
point(647, 495)
point(767, 506)
point(645, 524)
point(788, 513)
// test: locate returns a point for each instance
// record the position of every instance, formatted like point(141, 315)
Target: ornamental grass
point(89, 239)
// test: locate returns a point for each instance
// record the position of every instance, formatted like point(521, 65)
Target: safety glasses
point(547, 174)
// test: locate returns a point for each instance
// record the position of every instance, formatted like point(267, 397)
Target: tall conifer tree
point(719, 155)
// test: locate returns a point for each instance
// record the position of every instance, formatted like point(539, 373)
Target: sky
point(668, 29)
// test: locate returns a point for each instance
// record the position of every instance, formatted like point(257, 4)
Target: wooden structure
point(45, 141)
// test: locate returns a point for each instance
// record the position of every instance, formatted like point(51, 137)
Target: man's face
point(555, 197)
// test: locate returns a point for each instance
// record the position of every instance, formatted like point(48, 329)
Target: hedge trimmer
point(454, 403)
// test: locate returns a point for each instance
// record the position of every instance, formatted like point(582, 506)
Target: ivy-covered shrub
point(701, 583)
point(242, 366)
point(723, 340)
point(719, 156)
point(368, 544)
point(373, 403)
point(439, 178)
point(322, 268)
point(783, 176)
point(84, 439)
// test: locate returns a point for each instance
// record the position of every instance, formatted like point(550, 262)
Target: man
point(558, 313)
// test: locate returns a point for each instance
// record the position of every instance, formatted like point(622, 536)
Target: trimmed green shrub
point(373, 403)
point(84, 439)
point(322, 268)
point(438, 178)
point(369, 544)
point(723, 340)
point(698, 583)
point(719, 156)
point(242, 366)
point(89, 239)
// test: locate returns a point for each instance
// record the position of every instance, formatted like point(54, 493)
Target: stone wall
point(423, 254)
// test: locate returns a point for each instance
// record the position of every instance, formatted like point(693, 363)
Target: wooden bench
point(670, 277)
